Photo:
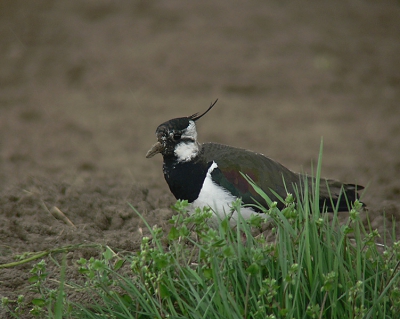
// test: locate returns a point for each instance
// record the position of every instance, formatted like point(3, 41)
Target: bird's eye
point(177, 136)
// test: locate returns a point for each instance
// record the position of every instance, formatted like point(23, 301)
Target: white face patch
point(219, 199)
point(185, 151)
point(190, 131)
point(188, 148)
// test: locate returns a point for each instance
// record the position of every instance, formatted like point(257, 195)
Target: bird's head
point(178, 138)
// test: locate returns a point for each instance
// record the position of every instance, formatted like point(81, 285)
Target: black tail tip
point(345, 200)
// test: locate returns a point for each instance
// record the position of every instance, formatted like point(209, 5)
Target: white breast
point(219, 199)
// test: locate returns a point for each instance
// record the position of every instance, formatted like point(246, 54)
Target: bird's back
point(270, 175)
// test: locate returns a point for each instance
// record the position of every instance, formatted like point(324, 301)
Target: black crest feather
point(195, 116)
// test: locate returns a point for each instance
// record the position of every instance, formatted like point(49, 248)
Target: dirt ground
point(85, 83)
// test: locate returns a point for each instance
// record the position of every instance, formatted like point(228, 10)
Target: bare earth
point(84, 84)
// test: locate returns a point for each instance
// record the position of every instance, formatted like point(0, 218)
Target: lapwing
point(210, 174)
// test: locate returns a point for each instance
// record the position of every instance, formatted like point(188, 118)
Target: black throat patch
point(185, 179)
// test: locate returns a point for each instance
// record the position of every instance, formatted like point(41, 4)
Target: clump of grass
point(314, 267)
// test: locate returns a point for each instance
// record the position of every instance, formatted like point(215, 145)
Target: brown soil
point(84, 84)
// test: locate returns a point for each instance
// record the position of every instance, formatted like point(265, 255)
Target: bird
point(213, 175)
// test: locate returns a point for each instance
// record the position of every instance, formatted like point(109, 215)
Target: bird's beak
point(156, 148)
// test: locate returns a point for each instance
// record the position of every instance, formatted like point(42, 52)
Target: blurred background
point(85, 83)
